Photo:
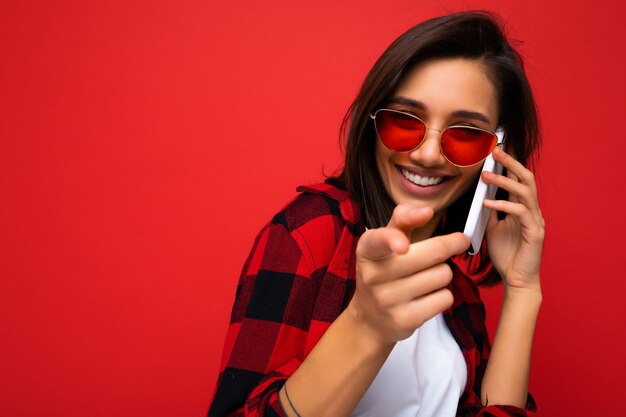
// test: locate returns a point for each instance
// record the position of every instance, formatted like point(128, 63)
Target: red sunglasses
point(461, 145)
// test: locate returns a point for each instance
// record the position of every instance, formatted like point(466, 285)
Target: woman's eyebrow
point(408, 102)
point(465, 114)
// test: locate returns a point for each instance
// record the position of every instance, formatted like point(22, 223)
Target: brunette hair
point(474, 35)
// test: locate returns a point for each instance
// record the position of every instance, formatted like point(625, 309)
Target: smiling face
point(441, 92)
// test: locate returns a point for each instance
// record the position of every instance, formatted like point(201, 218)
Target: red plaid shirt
point(298, 278)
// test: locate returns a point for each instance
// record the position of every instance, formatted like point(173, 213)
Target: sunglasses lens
point(398, 131)
point(466, 146)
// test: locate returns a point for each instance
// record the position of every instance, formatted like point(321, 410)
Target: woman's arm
point(399, 286)
point(337, 372)
point(515, 245)
point(506, 377)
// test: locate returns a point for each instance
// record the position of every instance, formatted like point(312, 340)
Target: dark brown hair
point(473, 35)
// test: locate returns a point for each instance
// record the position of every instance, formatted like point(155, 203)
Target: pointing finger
point(378, 244)
point(429, 252)
point(406, 218)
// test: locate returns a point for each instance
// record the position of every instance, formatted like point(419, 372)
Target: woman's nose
point(428, 154)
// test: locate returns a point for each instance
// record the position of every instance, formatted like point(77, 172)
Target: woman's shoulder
point(321, 218)
point(319, 205)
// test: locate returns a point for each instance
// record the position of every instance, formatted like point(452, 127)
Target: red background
point(143, 144)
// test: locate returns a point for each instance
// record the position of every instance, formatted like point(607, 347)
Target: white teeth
point(423, 181)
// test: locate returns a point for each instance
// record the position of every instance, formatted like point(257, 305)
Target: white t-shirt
point(424, 375)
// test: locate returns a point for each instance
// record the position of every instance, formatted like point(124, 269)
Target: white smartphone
point(478, 214)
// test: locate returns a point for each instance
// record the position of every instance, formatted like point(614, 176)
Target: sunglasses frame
point(441, 132)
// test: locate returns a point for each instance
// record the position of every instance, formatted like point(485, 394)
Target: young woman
point(359, 297)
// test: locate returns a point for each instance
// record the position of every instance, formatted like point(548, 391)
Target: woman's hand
point(400, 285)
point(515, 243)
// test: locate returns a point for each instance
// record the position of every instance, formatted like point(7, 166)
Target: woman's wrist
point(531, 292)
point(525, 302)
point(364, 336)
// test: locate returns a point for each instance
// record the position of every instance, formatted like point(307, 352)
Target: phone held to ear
point(478, 214)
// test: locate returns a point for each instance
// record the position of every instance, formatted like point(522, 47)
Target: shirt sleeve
point(266, 338)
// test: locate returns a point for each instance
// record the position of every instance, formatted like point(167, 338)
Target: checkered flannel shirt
point(296, 281)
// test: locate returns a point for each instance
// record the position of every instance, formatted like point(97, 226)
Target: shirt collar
point(350, 210)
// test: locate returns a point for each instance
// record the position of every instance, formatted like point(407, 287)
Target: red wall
point(143, 144)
